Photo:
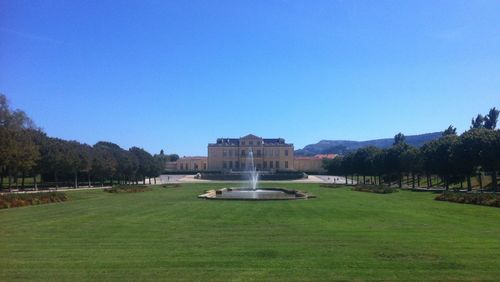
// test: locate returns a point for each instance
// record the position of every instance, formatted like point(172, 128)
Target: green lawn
point(169, 234)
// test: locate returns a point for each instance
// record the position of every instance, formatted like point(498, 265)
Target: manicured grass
point(169, 234)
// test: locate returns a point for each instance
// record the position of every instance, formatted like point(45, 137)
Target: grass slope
point(169, 234)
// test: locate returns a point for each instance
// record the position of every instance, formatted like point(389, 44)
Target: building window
point(259, 153)
point(224, 164)
point(237, 164)
point(224, 153)
point(286, 152)
point(286, 164)
point(258, 167)
point(230, 164)
point(182, 167)
point(277, 164)
point(231, 153)
point(243, 143)
point(271, 164)
point(187, 166)
point(204, 166)
point(195, 166)
point(264, 164)
point(277, 153)
point(251, 143)
point(243, 153)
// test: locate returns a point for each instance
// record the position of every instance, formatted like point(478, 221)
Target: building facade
point(312, 164)
point(188, 164)
point(231, 154)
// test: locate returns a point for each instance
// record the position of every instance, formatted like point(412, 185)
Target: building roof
point(192, 158)
point(273, 141)
point(234, 141)
point(251, 136)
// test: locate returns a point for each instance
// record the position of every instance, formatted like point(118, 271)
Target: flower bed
point(333, 185)
point(374, 189)
point(128, 189)
point(483, 199)
point(173, 185)
point(21, 200)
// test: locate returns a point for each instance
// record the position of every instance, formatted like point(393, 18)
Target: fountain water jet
point(253, 174)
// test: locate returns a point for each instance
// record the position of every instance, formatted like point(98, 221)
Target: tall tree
point(399, 138)
point(478, 122)
point(104, 164)
point(437, 158)
point(18, 152)
point(173, 157)
point(465, 154)
point(490, 120)
point(450, 131)
point(394, 158)
point(145, 162)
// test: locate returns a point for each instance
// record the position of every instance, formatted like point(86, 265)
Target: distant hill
point(344, 146)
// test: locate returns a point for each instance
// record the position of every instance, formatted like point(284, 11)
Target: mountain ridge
point(343, 146)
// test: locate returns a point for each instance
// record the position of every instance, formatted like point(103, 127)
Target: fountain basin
point(257, 194)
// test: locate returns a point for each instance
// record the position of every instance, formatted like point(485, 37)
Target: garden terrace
point(170, 233)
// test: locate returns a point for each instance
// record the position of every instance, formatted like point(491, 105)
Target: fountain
point(252, 192)
point(253, 174)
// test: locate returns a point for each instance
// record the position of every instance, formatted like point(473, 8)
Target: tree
point(437, 158)
point(145, 162)
point(52, 162)
point(104, 165)
point(18, 152)
point(411, 163)
point(173, 157)
point(394, 158)
point(450, 131)
point(478, 122)
point(464, 156)
point(364, 159)
point(126, 163)
point(399, 138)
point(348, 166)
point(489, 155)
point(380, 165)
point(490, 120)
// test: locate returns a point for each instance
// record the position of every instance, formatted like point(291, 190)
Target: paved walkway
point(176, 179)
point(60, 189)
point(310, 179)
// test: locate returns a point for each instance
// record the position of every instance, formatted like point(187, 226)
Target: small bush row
point(174, 185)
point(21, 200)
point(375, 189)
point(483, 199)
point(128, 189)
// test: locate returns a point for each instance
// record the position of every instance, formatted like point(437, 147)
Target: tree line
point(454, 158)
point(26, 152)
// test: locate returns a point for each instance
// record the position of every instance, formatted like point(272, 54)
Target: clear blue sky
point(176, 75)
